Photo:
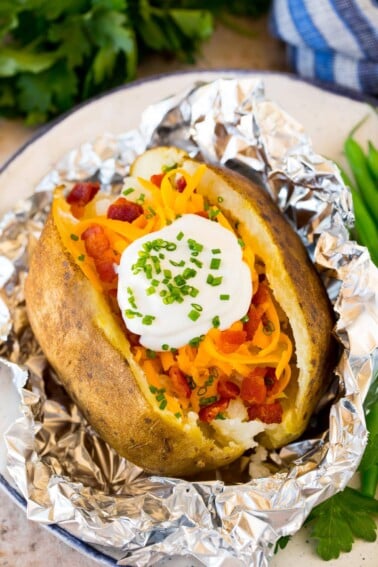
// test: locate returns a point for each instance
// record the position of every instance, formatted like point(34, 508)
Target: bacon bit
point(231, 340)
point(267, 413)
point(97, 246)
point(179, 382)
point(227, 389)
point(203, 214)
point(181, 184)
point(132, 338)
point(253, 388)
point(157, 179)
point(124, 210)
point(96, 241)
point(105, 270)
point(210, 412)
point(80, 195)
point(262, 294)
point(254, 318)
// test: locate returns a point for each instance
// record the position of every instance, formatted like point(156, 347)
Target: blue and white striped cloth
point(335, 41)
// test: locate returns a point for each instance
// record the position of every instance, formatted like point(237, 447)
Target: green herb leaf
point(338, 521)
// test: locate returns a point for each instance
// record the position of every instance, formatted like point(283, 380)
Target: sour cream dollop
point(175, 284)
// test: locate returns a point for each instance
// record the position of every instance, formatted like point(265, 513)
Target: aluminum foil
point(70, 476)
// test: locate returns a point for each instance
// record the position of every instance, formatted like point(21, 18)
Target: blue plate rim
point(71, 540)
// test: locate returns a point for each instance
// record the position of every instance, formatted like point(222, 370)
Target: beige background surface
point(24, 543)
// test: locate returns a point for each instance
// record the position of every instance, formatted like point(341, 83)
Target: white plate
point(327, 118)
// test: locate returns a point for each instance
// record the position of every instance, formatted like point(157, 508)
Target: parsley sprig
point(55, 54)
point(338, 521)
point(350, 514)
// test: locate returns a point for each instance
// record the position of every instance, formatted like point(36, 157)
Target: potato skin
point(105, 382)
point(62, 308)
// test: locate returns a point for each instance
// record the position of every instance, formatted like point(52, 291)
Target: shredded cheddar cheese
point(220, 358)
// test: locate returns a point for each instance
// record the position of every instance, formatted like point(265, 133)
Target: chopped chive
point(213, 213)
point(220, 416)
point(155, 282)
point(196, 306)
point(216, 250)
point(128, 191)
point(130, 314)
point(167, 168)
point(179, 280)
point(171, 246)
point(244, 319)
point(160, 397)
point(189, 273)
point(241, 242)
point(195, 341)
point(211, 280)
point(177, 415)
point(81, 258)
point(180, 236)
point(220, 199)
point(148, 319)
point(163, 404)
point(215, 263)
point(216, 321)
point(268, 328)
point(194, 315)
point(207, 401)
point(179, 264)
point(141, 198)
point(153, 389)
point(198, 263)
point(74, 237)
point(151, 354)
point(152, 212)
point(165, 347)
point(224, 297)
point(193, 292)
point(167, 273)
point(161, 256)
point(195, 246)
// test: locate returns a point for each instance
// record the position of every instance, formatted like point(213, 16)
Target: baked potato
point(196, 400)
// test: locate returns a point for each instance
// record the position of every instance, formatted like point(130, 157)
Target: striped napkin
point(331, 40)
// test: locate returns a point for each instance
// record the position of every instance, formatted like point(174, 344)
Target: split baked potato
point(178, 410)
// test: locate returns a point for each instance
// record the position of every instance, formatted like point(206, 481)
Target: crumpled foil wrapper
point(70, 476)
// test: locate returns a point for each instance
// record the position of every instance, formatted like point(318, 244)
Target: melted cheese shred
point(204, 362)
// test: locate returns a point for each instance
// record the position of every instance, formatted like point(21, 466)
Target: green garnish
point(216, 321)
point(167, 168)
point(151, 354)
point(148, 319)
point(163, 404)
point(224, 297)
point(81, 258)
point(207, 401)
point(74, 237)
point(128, 191)
point(215, 263)
point(211, 280)
point(194, 315)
